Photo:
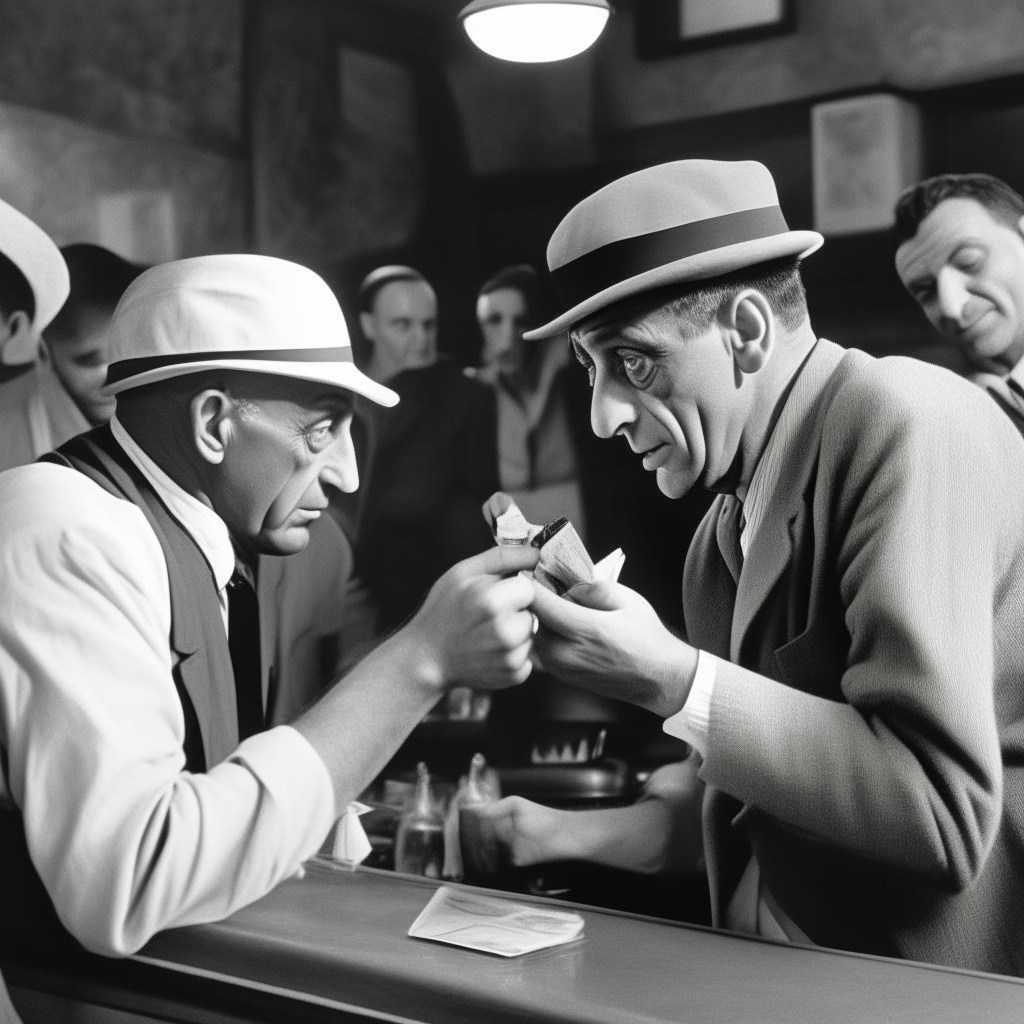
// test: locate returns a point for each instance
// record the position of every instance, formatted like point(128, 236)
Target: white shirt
point(126, 842)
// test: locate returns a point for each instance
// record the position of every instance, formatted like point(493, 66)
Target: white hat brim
point(700, 267)
point(335, 374)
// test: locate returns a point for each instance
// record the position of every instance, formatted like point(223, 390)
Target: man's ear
point(750, 323)
point(366, 323)
point(211, 428)
point(18, 342)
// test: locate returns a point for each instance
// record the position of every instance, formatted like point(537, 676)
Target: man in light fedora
point(35, 410)
point(139, 787)
point(853, 600)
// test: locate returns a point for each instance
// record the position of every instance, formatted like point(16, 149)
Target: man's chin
point(673, 485)
point(288, 541)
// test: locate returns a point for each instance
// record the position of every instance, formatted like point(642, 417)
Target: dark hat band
point(618, 261)
point(125, 368)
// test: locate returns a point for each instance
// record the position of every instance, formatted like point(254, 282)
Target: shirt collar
point(205, 527)
point(1017, 374)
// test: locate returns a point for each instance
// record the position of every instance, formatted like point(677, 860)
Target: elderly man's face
point(287, 447)
point(80, 360)
point(966, 269)
point(404, 324)
point(673, 399)
point(502, 315)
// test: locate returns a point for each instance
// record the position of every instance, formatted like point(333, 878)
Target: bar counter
point(332, 946)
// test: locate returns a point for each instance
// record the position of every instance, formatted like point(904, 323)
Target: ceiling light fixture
point(534, 31)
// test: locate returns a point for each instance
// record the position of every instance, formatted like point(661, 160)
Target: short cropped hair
point(695, 304)
point(376, 280)
point(16, 295)
point(1003, 203)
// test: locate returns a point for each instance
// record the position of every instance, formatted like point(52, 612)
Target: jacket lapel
point(772, 546)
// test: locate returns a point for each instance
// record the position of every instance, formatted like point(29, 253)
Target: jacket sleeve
point(126, 842)
point(908, 770)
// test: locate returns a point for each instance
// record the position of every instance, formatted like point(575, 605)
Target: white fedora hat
point(684, 221)
point(36, 255)
point(236, 312)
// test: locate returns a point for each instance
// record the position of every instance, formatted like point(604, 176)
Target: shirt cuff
point(692, 721)
point(298, 782)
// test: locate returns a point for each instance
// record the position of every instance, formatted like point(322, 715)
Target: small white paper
point(350, 842)
point(492, 925)
point(608, 569)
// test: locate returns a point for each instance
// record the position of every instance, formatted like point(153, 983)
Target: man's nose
point(610, 409)
point(951, 297)
point(339, 469)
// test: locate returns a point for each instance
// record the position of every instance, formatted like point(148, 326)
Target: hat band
point(615, 262)
point(125, 368)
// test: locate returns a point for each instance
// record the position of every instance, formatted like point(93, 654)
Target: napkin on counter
point(493, 925)
point(350, 842)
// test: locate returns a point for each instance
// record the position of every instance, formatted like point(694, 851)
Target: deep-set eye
point(969, 258)
point(320, 436)
point(639, 369)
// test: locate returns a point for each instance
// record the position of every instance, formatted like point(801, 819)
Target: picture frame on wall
point(665, 27)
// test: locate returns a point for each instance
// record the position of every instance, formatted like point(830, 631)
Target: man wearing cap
point(140, 789)
point(433, 458)
point(852, 600)
point(35, 411)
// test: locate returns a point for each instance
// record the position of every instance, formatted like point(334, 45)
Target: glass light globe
point(534, 31)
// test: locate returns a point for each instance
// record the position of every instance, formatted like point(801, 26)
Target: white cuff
point(692, 721)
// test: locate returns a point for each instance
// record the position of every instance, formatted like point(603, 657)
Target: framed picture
point(673, 26)
point(865, 151)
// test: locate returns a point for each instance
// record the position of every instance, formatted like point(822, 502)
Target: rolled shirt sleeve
point(125, 840)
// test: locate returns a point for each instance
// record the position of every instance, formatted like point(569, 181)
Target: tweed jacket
point(866, 736)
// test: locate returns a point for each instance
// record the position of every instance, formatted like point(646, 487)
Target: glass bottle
point(419, 840)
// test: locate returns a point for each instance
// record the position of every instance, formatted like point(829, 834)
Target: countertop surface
point(337, 938)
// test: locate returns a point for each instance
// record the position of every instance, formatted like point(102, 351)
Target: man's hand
point(606, 638)
point(475, 626)
point(513, 831)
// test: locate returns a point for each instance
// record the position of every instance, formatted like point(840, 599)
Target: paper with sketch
point(493, 925)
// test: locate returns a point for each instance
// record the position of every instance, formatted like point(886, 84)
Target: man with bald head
point(140, 787)
point(432, 460)
point(961, 257)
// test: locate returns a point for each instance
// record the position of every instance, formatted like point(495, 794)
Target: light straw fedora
point(235, 312)
point(684, 221)
point(36, 255)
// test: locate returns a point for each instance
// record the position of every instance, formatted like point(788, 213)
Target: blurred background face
point(402, 327)
point(503, 316)
point(78, 352)
point(966, 270)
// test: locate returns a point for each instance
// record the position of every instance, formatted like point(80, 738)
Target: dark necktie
point(244, 645)
point(1010, 398)
point(730, 526)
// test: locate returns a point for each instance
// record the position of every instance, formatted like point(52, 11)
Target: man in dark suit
point(852, 600)
point(431, 460)
point(961, 256)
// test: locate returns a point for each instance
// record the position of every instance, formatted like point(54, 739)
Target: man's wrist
point(674, 679)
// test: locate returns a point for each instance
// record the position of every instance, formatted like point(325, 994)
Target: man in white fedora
point(140, 788)
point(853, 600)
point(35, 410)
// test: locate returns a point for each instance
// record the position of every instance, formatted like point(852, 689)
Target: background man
point(961, 256)
point(431, 460)
point(35, 412)
point(139, 786)
point(852, 601)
